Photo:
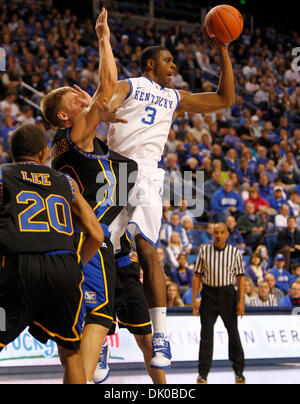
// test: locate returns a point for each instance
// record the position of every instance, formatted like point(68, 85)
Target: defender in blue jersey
point(41, 274)
point(73, 110)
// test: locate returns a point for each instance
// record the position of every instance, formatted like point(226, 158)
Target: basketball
point(225, 22)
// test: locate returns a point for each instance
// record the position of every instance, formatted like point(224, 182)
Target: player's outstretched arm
point(224, 97)
point(86, 220)
point(87, 121)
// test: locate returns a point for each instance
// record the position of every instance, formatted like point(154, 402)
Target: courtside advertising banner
point(263, 337)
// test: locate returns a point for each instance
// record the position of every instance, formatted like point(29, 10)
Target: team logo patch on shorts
point(90, 297)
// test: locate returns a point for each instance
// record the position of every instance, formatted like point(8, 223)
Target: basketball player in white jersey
point(150, 108)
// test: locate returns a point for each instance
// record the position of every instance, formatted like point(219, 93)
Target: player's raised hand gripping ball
point(225, 23)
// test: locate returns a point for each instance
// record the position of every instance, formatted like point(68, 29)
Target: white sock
point(158, 317)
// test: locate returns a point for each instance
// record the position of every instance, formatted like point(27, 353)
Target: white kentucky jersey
point(149, 110)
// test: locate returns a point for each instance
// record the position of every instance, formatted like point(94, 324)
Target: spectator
point(252, 86)
point(177, 80)
point(192, 234)
point(265, 139)
point(251, 227)
point(206, 167)
point(232, 161)
point(276, 292)
point(5, 132)
point(254, 271)
point(291, 160)
point(191, 71)
point(246, 175)
point(164, 266)
point(26, 117)
point(233, 141)
point(295, 271)
point(264, 298)
point(173, 178)
point(294, 203)
point(282, 218)
point(171, 143)
point(282, 276)
point(206, 237)
point(167, 212)
point(9, 103)
point(257, 131)
point(250, 70)
point(250, 291)
point(246, 133)
point(288, 176)
point(235, 238)
point(262, 156)
point(196, 131)
point(260, 170)
point(173, 250)
point(217, 166)
point(265, 189)
point(288, 242)
point(278, 199)
point(292, 299)
point(271, 171)
point(194, 152)
point(226, 202)
point(183, 275)
point(217, 154)
point(260, 204)
point(183, 209)
point(265, 264)
point(261, 97)
point(173, 295)
point(188, 298)
point(205, 144)
point(175, 227)
point(247, 154)
point(238, 108)
point(212, 186)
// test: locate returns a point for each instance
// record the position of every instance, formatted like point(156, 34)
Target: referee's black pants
point(222, 302)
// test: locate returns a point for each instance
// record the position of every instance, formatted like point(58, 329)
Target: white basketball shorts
point(143, 215)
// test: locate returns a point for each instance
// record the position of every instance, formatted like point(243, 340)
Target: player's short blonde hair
point(52, 103)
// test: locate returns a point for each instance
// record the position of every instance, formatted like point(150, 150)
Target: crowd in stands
point(249, 154)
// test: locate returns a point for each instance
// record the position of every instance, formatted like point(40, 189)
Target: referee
point(217, 268)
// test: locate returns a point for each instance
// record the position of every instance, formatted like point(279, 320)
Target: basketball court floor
point(288, 373)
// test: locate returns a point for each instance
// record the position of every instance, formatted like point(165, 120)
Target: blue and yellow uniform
point(131, 307)
point(41, 276)
point(98, 176)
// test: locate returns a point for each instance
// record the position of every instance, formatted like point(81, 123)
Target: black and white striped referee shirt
point(219, 268)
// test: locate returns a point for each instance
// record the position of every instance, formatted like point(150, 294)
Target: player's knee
point(145, 344)
point(66, 354)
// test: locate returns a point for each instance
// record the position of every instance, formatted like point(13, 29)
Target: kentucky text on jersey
point(154, 99)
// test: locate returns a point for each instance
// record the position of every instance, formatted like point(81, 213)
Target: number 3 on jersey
point(149, 120)
point(38, 205)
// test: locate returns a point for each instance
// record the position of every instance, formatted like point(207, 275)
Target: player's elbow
point(96, 234)
point(99, 236)
point(106, 89)
point(231, 101)
point(228, 101)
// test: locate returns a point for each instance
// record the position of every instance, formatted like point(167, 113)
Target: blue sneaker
point(102, 371)
point(161, 352)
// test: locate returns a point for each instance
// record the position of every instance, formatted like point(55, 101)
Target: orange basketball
point(225, 22)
